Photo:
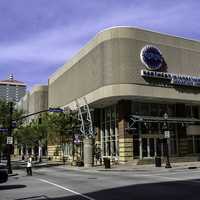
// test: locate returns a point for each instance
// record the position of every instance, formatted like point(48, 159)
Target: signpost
point(166, 134)
point(9, 140)
point(77, 139)
point(58, 110)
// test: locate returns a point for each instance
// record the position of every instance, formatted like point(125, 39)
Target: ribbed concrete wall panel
point(113, 57)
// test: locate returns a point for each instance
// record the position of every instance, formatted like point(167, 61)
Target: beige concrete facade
point(107, 71)
point(33, 102)
point(23, 104)
point(112, 60)
point(38, 98)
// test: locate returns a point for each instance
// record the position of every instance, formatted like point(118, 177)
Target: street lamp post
point(166, 135)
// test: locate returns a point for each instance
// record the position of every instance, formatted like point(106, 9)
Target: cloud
point(48, 47)
point(59, 43)
point(70, 28)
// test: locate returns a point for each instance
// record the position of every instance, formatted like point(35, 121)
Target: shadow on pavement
point(173, 190)
point(10, 187)
point(176, 190)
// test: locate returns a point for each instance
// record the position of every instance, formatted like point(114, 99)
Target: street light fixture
point(166, 136)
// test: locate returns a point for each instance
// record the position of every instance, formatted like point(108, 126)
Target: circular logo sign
point(151, 57)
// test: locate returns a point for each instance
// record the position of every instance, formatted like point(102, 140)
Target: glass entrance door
point(151, 147)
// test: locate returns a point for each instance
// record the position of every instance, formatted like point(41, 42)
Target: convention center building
point(143, 89)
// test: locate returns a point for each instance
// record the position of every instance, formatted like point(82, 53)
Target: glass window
point(108, 131)
point(171, 110)
point(107, 113)
point(113, 113)
point(154, 110)
point(197, 144)
point(162, 109)
point(144, 109)
point(144, 147)
point(154, 128)
point(136, 146)
point(195, 112)
point(188, 111)
point(144, 128)
point(152, 147)
point(103, 116)
point(135, 108)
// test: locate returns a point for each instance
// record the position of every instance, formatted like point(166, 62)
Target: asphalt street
point(60, 183)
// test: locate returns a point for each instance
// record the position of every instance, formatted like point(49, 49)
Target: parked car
point(3, 173)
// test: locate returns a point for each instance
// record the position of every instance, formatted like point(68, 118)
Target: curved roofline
point(12, 82)
point(119, 32)
point(149, 30)
point(37, 88)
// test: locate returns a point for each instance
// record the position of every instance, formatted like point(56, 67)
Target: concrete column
point(125, 138)
point(140, 140)
point(88, 152)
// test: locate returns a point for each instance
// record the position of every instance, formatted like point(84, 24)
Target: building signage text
point(174, 79)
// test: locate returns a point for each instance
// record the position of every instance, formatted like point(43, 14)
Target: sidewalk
point(118, 167)
point(133, 167)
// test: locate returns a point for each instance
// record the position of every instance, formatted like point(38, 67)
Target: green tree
point(61, 128)
point(33, 134)
point(54, 128)
point(5, 120)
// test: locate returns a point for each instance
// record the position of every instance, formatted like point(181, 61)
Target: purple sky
point(39, 36)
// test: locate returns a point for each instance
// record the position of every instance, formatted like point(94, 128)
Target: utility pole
point(9, 146)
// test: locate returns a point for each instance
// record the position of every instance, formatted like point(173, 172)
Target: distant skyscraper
point(12, 90)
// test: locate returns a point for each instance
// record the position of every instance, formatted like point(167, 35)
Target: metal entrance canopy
point(133, 119)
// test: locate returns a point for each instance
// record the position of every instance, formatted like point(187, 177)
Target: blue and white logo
point(151, 57)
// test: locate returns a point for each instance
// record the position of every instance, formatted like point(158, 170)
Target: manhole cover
point(92, 178)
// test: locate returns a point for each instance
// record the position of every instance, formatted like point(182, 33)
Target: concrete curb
point(115, 168)
point(14, 174)
point(146, 169)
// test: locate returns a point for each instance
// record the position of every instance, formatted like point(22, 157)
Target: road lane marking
point(67, 189)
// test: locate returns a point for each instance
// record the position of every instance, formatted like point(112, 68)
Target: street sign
point(3, 130)
point(167, 134)
point(14, 124)
point(55, 110)
point(77, 139)
point(9, 140)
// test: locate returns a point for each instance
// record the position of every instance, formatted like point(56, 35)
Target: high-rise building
point(11, 89)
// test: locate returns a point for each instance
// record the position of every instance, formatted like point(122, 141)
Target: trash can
point(158, 161)
point(106, 162)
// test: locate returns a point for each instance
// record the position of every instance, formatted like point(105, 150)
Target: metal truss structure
point(84, 116)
